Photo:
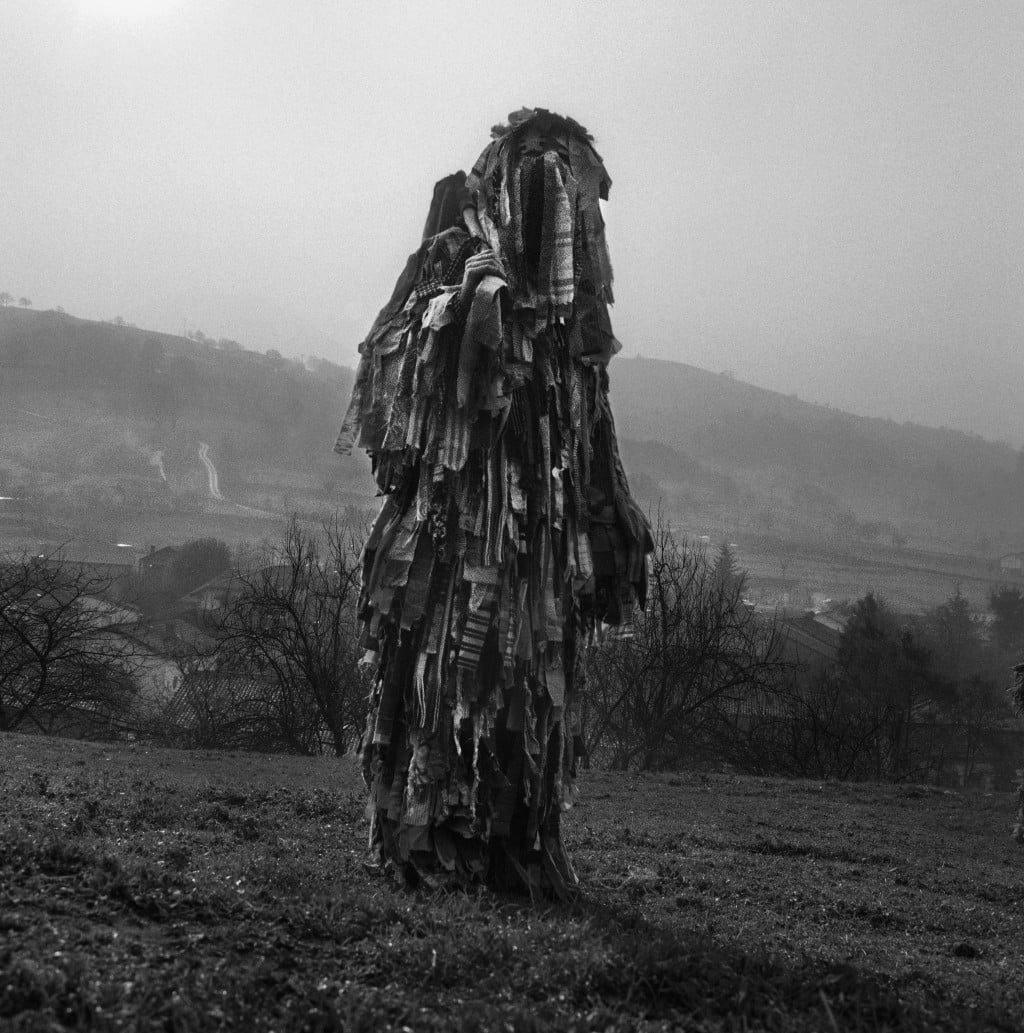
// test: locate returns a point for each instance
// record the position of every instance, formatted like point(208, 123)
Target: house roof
point(224, 584)
point(172, 633)
point(107, 613)
point(161, 555)
point(230, 692)
point(811, 636)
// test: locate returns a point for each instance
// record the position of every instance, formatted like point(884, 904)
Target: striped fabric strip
point(471, 645)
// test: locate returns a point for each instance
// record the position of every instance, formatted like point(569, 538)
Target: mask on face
point(536, 190)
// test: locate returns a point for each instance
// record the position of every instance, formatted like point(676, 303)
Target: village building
point(1012, 563)
point(156, 564)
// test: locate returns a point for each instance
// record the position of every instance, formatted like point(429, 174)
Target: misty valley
point(110, 434)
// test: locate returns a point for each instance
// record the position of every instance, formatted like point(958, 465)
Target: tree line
point(701, 678)
point(907, 698)
point(708, 680)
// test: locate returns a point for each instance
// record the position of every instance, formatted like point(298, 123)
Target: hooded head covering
point(537, 188)
point(446, 206)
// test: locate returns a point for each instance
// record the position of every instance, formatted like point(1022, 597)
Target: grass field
point(152, 890)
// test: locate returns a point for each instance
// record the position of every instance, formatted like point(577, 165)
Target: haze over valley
point(118, 439)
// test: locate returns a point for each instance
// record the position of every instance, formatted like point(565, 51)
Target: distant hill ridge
point(709, 445)
point(157, 381)
point(808, 457)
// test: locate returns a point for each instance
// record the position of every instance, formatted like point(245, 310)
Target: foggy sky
point(823, 198)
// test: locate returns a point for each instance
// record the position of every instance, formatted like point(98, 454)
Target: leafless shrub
point(651, 698)
point(64, 663)
point(289, 626)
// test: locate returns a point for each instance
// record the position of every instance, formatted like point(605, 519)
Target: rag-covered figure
point(507, 540)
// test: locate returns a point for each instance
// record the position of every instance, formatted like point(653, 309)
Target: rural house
point(156, 564)
point(1012, 563)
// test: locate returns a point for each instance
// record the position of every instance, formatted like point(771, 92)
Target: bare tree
point(219, 709)
point(877, 712)
point(61, 659)
point(650, 696)
point(808, 727)
point(291, 623)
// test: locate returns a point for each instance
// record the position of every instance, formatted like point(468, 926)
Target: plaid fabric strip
point(597, 253)
point(390, 695)
point(578, 242)
point(349, 432)
point(495, 489)
point(502, 516)
point(437, 608)
point(423, 488)
point(504, 620)
point(545, 458)
point(577, 425)
point(452, 269)
point(468, 356)
point(520, 189)
point(401, 403)
point(480, 575)
point(518, 416)
point(454, 448)
point(480, 521)
point(398, 554)
point(429, 288)
point(584, 559)
point(516, 495)
point(418, 582)
point(552, 616)
point(556, 257)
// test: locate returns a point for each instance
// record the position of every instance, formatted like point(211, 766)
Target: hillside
point(145, 889)
point(103, 428)
point(813, 468)
point(158, 385)
point(101, 422)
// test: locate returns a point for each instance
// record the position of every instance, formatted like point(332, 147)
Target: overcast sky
point(824, 198)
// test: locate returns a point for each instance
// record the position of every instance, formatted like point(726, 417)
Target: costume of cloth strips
point(507, 540)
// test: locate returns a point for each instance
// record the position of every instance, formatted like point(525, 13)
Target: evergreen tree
point(726, 570)
point(1006, 604)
